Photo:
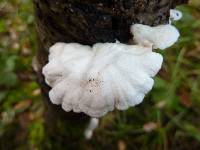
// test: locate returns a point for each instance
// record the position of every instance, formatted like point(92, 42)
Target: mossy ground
point(169, 117)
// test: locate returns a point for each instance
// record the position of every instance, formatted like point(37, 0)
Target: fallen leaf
point(185, 98)
point(121, 145)
point(36, 92)
point(21, 106)
point(161, 104)
point(150, 126)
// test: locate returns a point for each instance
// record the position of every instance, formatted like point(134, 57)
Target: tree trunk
point(88, 22)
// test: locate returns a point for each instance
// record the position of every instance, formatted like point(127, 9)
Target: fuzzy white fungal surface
point(175, 15)
point(162, 36)
point(97, 79)
point(93, 124)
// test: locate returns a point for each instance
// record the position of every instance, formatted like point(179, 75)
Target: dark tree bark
point(89, 22)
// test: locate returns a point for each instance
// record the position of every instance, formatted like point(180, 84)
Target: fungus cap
point(162, 36)
point(97, 79)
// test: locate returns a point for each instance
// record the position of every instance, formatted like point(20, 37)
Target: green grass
point(169, 117)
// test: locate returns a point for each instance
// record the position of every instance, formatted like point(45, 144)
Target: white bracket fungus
point(162, 36)
point(97, 79)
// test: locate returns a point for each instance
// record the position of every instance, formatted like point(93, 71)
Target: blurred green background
point(169, 117)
